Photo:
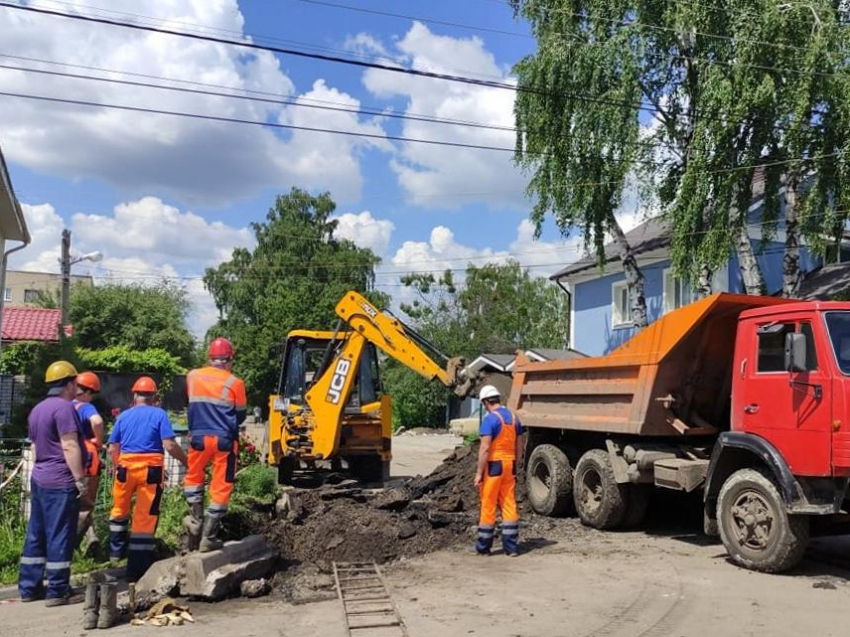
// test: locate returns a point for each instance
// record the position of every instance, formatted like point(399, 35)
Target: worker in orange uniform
point(499, 457)
point(88, 384)
point(217, 406)
point(137, 444)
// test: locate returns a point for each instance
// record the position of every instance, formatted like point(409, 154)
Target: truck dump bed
point(673, 378)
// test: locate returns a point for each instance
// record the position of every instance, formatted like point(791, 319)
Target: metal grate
point(366, 601)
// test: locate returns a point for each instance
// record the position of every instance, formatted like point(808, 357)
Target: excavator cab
point(365, 423)
point(303, 357)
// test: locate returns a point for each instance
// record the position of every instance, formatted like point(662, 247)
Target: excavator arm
point(328, 396)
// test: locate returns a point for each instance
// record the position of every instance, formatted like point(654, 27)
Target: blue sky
point(166, 196)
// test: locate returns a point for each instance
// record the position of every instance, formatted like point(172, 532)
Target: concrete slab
point(210, 575)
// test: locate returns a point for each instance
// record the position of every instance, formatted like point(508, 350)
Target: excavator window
point(302, 360)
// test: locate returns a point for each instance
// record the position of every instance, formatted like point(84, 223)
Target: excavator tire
point(369, 469)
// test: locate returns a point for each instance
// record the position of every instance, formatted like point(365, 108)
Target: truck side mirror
point(795, 352)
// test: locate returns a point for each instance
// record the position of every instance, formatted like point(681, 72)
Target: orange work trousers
point(498, 491)
point(221, 453)
point(140, 475)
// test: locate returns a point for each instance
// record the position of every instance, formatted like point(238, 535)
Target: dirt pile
point(344, 522)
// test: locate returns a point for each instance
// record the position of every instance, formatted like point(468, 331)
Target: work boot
point(91, 606)
point(210, 540)
point(108, 613)
point(193, 523)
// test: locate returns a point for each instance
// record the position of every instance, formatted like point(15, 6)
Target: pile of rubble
point(344, 522)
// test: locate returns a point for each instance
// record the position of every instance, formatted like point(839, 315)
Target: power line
point(641, 106)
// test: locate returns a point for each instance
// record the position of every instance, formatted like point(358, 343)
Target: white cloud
point(365, 230)
point(143, 242)
point(199, 161)
point(365, 45)
point(424, 170)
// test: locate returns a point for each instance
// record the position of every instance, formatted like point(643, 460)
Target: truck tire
point(599, 500)
point(369, 469)
point(755, 529)
point(638, 503)
point(285, 470)
point(549, 481)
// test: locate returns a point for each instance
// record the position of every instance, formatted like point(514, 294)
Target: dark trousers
point(49, 545)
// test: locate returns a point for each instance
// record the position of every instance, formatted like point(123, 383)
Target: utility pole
point(66, 281)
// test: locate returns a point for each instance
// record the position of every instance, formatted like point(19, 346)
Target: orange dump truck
point(744, 398)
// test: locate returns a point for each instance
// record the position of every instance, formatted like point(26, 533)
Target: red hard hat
point(221, 348)
point(89, 380)
point(144, 385)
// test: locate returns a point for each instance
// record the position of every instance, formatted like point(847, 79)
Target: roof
point(12, 222)
point(555, 354)
point(31, 324)
point(499, 362)
point(826, 282)
point(650, 235)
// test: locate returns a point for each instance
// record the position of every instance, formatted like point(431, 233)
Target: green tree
point(497, 309)
point(138, 317)
point(292, 279)
point(730, 86)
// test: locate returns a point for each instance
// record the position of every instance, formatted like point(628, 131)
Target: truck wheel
point(599, 500)
point(549, 481)
point(369, 469)
point(638, 502)
point(756, 530)
point(285, 470)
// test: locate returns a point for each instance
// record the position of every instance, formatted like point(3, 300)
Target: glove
point(82, 487)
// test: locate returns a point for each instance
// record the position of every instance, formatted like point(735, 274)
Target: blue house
point(600, 311)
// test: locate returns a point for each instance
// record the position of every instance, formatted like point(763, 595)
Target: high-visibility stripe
point(510, 531)
point(117, 528)
point(142, 547)
point(57, 566)
point(25, 559)
point(220, 402)
point(225, 391)
point(141, 536)
point(194, 489)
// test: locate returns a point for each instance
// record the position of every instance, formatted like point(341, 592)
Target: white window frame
point(620, 317)
point(670, 283)
point(7, 295)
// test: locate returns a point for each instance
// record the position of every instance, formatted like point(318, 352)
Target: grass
point(255, 489)
point(471, 439)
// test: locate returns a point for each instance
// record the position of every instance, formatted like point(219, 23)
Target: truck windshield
point(838, 325)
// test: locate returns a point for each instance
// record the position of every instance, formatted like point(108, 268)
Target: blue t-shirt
point(86, 411)
point(491, 425)
point(141, 429)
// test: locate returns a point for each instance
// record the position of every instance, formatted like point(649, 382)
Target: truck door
point(790, 410)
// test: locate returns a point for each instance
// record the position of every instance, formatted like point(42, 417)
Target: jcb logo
point(338, 381)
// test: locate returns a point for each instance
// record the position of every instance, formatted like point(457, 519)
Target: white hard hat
point(488, 392)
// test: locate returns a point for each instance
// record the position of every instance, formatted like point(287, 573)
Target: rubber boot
point(91, 606)
point(108, 614)
point(210, 540)
point(193, 523)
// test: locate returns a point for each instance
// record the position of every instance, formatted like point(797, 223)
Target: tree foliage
point(292, 279)
point(135, 317)
point(727, 87)
point(496, 309)
point(123, 359)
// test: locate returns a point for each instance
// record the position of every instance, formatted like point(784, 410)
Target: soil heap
point(344, 522)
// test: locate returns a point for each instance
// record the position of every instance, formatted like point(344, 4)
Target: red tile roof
point(31, 324)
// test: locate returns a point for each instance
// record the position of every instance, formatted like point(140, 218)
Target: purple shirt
point(48, 420)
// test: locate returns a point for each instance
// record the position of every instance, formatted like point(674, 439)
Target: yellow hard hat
point(60, 370)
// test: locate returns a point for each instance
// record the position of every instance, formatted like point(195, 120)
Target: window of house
point(771, 354)
point(621, 310)
point(677, 292)
point(7, 295)
point(32, 296)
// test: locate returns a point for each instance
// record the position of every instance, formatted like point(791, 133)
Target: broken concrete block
point(216, 574)
point(406, 530)
point(392, 499)
point(255, 587)
point(210, 575)
point(162, 578)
